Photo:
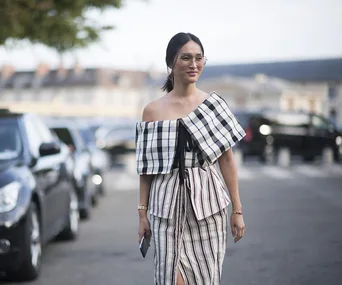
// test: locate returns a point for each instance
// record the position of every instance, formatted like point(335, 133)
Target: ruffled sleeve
point(214, 128)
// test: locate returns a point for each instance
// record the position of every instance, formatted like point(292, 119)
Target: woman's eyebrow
point(186, 53)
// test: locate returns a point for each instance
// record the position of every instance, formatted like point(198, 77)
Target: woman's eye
point(199, 58)
point(185, 58)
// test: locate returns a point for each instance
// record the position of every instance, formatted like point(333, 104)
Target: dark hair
point(175, 44)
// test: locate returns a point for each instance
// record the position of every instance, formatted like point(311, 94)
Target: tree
point(59, 24)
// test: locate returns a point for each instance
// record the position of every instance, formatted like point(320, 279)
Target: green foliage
point(59, 24)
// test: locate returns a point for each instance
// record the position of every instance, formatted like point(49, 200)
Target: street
point(293, 232)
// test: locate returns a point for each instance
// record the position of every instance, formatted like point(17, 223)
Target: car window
point(74, 139)
point(64, 135)
point(43, 130)
point(289, 119)
point(320, 123)
point(34, 139)
point(87, 136)
point(10, 139)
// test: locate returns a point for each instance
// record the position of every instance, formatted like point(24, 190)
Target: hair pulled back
point(175, 44)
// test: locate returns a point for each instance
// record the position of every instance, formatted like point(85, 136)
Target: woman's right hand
point(144, 228)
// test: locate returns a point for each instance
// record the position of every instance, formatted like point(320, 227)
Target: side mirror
point(49, 149)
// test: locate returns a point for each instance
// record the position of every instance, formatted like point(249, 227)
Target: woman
point(179, 140)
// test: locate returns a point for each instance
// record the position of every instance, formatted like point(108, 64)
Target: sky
point(231, 32)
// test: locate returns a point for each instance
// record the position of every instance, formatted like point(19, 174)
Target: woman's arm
point(229, 172)
point(144, 187)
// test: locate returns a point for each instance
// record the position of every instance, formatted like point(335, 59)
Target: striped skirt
point(195, 248)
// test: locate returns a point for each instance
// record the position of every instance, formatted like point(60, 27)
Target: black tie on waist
point(184, 144)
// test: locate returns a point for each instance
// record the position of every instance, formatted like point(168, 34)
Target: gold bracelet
point(142, 207)
point(236, 213)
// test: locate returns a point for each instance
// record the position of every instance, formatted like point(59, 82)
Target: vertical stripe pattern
point(208, 194)
point(183, 243)
point(188, 220)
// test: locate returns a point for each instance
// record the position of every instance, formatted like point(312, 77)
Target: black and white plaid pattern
point(212, 126)
point(155, 146)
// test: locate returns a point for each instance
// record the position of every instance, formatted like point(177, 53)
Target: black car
point(83, 173)
point(37, 199)
point(304, 134)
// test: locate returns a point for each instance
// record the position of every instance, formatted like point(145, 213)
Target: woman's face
point(189, 63)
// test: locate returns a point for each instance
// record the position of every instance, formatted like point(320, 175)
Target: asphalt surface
point(293, 233)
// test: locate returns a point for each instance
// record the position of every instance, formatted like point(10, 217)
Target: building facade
point(310, 85)
point(74, 92)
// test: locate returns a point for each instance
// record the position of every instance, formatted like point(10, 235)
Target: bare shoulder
point(203, 94)
point(151, 110)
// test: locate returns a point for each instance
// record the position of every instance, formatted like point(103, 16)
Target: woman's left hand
point(237, 226)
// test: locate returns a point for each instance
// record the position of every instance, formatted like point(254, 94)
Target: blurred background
point(87, 68)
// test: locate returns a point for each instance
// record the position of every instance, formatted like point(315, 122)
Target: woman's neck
point(184, 91)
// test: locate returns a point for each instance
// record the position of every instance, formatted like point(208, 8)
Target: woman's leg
point(180, 280)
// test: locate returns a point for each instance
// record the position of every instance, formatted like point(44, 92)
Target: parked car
point(99, 159)
point(116, 138)
point(83, 172)
point(305, 134)
point(37, 199)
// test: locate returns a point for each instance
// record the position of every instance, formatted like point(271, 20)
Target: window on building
point(312, 105)
point(291, 104)
point(332, 92)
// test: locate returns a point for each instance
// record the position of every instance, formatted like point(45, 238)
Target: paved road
point(293, 235)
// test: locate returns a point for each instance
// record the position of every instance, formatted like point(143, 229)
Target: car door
point(321, 133)
point(289, 130)
point(47, 172)
point(83, 159)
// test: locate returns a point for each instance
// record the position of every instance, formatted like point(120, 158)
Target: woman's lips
point(192, 73)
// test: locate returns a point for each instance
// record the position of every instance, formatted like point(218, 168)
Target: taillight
point(249, 135)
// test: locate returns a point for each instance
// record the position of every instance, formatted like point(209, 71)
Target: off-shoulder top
point(210, 130)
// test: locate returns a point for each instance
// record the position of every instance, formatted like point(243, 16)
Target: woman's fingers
point(239, 233)
point(144, 229)
point(140, 237)
point(148, 233)
point(233, 229)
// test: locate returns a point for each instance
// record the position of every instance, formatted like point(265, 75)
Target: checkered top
point(212, 126)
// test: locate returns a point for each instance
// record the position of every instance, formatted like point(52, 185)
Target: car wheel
point(102, 190)
point(85, 211)
point(337, 157)
point(95, 198)
point(94, 192)
point(31, 248)
point(267, 155)
point(70, 232)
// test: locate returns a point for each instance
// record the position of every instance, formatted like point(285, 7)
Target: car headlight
point(265, 130)
point(9, 196)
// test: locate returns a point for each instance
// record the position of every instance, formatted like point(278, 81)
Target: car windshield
point(10, 139)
